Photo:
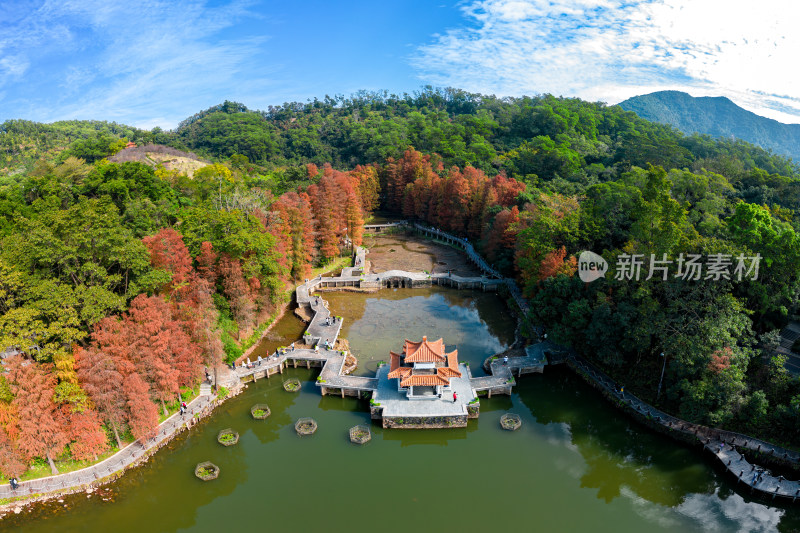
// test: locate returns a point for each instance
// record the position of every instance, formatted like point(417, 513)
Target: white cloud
point(146, 63)
point(730, 513)
point(612, 49)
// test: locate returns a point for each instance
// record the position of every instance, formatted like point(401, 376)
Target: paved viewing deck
point(395, 404)
point(502, 375)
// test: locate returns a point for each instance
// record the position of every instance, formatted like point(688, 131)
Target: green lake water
point(575, 465)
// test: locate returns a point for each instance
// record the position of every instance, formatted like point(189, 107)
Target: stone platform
point(397, 411)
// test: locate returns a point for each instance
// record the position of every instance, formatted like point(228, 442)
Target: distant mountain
point(716, 116)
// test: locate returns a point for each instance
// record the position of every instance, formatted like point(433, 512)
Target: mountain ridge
point(717, 116)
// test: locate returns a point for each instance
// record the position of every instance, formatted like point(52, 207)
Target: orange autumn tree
point(10, 463)
point(367, 183)
point(501, 237)
point(43, 430)
point(87, 436)
point(100, 368)
point(164, 353)
point(238, 291)
point(295, 230)
point(142, 412)
point(328, 199)
point(397, 174)
point(462, 201)
point(207, 263)
point(556, 262)
point(720, 360)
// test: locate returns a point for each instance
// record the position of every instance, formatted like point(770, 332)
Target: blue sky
point(155, 62)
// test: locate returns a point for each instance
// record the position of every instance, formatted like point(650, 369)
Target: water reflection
point(479, 324)
point(576, 464)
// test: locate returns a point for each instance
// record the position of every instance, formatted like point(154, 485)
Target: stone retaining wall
point(425, 422)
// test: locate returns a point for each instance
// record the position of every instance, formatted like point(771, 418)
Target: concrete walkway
point(709, 437)
point(758, 479)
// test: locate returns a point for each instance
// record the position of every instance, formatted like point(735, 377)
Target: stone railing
point(479, 261)
point(691, 433)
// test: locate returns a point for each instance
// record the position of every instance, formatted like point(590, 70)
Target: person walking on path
point(14, 483)
point(455, 396)
point(505, 359)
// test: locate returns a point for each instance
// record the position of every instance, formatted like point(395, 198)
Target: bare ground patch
point(403, 252)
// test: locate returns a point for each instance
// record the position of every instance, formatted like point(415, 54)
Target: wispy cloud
point(609, 50)
point(150, 62)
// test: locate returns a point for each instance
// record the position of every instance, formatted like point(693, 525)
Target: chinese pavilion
point(424, 368)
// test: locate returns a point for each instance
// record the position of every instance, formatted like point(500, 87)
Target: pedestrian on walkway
point(14, 483)
point(182, 410)
point(455, 396)
point(505, 359)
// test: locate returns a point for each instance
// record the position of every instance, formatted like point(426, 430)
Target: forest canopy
point(120, 281)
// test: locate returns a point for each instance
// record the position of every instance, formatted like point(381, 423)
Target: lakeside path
point(120, 461)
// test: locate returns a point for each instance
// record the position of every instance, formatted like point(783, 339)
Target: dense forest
point(120, 281)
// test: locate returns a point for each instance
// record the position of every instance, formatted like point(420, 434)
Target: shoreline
point(17, 504)
point(281, 310)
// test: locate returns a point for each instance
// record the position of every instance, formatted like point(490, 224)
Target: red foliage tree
point(396, 174)
point(163, 350)
point(503, 234)
point(720, 360)
point(328, 199)
point(99, 374)
point(507, 189)
point(237, 291)
point(89, 439)
point(368, 186)
point(461, 201)
point(295, 231)
point(143, 416)
point(9, 420)
point(10, 463)
point(168, 252)
point(42, 427)
point(556, 262)
point(207, 263)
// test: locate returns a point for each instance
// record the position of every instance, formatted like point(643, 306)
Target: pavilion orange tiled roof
point(400, 372)
point(452, 361)
point(424, 351)
point(447, 372)
point(427, 380)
